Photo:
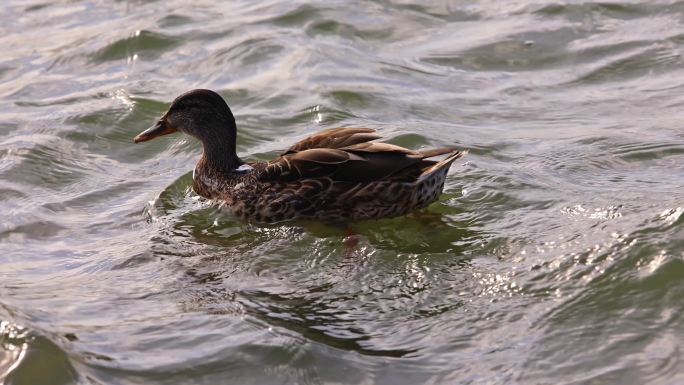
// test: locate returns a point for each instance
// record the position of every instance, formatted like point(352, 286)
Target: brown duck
point(335, 175)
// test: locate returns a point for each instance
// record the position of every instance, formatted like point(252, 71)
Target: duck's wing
point(334, 138)
point(359, 162)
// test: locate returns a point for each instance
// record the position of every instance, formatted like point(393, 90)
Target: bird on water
point(335, 175)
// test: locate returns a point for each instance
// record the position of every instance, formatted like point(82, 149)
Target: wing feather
point(334, 138)
point(347, 154)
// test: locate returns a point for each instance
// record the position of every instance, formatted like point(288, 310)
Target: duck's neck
point(219, 156)
point(219, 152)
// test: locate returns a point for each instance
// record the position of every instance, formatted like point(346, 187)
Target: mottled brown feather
point(361, 180)
point(334, 138)
point(347, 164)
point(380, 148)
point(429, 153)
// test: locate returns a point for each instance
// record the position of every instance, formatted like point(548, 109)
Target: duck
point(335, 176)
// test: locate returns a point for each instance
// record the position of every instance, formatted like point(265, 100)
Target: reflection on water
point(554, 255)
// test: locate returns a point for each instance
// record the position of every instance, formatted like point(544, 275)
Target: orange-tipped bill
point(160, 128)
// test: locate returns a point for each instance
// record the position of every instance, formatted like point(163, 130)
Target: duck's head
point(204, 115)
point(199, 113)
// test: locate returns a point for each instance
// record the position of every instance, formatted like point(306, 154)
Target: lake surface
point(555, 255)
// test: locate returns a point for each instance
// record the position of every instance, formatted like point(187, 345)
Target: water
point(555, 255)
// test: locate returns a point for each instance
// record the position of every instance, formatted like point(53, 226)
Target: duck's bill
point(159, 129)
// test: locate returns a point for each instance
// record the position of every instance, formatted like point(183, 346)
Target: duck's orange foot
point(351, 239)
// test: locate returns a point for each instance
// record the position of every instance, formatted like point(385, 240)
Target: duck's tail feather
point(429, 153)
point(444, 163)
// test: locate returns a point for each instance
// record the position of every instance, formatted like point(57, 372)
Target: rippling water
point(556, 254)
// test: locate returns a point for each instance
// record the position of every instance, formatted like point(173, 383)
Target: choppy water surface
point(555, 256)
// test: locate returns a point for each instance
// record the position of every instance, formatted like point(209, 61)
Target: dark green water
point(555, 256)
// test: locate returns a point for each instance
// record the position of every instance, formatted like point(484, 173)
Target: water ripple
point(553, 256)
